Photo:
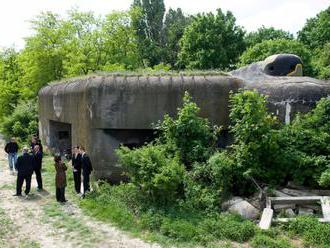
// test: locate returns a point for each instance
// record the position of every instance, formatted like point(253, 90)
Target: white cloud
point(285, 14)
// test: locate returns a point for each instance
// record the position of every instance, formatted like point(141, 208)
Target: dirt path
point(38, 221)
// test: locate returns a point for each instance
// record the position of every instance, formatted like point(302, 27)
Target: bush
point(256, 147)
point(324, 180)
point(275, 153)
point(189, 135)
point(307, 140)
point(207, 184)
point(155, 172)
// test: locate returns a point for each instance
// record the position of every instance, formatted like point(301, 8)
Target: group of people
point(81, 166)
point(25, 165)
point(31, 162)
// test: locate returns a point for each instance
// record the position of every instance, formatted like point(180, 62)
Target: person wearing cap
point(24, 167)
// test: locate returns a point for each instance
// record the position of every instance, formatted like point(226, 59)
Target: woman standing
point(60, 179)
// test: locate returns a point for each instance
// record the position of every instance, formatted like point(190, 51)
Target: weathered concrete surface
point(102, 112)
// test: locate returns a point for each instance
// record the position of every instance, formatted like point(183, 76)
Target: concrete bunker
point(105, 111)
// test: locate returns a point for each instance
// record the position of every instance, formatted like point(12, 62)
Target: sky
point(289, 15)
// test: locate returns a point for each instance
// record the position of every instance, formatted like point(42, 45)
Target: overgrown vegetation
point(179, 180)
point(313, 232)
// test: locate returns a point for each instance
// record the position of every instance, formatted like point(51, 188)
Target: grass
point(177, 226)
point(262, 241)
point(313, 232)
point(7, 186)
point(69, 224)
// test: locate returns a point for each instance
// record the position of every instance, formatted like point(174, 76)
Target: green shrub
point(324, 180)
point(155, 172)
point(256, 149)
point(209, 183)
point(307, 142)
point(275, 153)
point(189, 135)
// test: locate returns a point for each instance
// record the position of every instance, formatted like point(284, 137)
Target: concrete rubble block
point(244, 209)
point(234, 200)
point(325, 203)
point(266, 218)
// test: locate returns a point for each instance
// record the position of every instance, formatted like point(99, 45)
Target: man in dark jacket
point(37, 155)
point(87, 168)
point(24, 166)
point(36, 141)
point(11, 149)
point(76, 167)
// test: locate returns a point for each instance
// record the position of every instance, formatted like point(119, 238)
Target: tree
point(22, 122)
point(264, 33)
point(120, 41)
point(211, 41)
point(270, 47)
point(85, 47)
point(10, 73)
point(174, 26)
point(316, 32)
point(322, 61)
point(42, 58)
point(148, 25)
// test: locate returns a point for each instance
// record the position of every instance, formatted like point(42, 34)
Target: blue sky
point(289, 15)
